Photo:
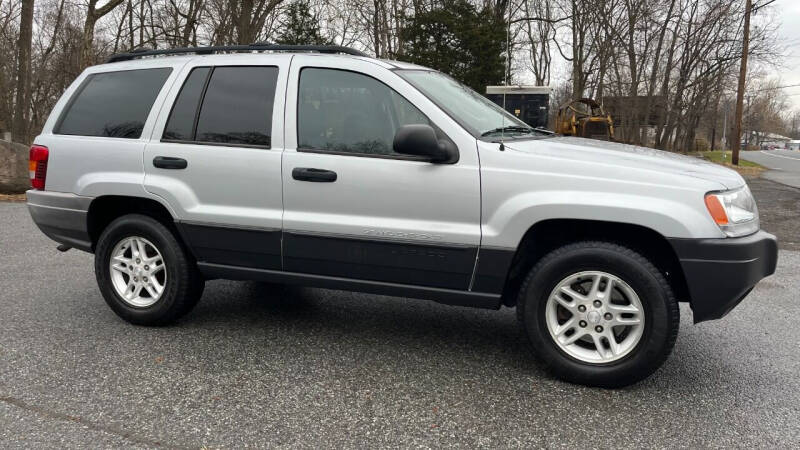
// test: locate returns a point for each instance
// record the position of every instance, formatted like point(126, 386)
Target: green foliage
point(300, 27)
point(721, 157)
point(460, 40)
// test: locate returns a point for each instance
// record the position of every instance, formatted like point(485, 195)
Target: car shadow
point(257, 322)
point(380, 322)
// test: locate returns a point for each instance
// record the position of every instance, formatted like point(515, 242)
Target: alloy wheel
point(138, 273)
point(595, 317)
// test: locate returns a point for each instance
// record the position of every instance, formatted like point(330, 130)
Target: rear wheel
point(144, 273)
point(598, 314)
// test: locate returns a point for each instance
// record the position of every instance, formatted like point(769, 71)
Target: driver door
point(355, 209)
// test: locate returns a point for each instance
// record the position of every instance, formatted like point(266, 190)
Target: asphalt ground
point(778, 210)
point(260, 366)
point(785, 165)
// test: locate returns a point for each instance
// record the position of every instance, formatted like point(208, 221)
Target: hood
point(629, 156)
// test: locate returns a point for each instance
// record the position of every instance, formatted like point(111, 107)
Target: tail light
point(37, 166)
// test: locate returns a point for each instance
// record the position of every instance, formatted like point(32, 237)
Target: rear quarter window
point(113, 104)
point(180, 126)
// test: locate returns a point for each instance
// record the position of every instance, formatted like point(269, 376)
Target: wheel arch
point(104, 209)
point(547, 235)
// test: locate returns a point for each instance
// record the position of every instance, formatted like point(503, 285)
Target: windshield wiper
point(508, 129)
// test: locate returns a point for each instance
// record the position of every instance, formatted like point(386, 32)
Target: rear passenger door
point(215, 158)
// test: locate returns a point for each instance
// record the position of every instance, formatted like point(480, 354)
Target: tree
point(249, 17)
point(300, 26)
point(93, 14)
point(460, 40)
point(381, 23)
point(793, 125)
point(678, 58)
point(766, 110)
point(539, 32)
point(583, 46)
point(182, 20)
point(19, 127)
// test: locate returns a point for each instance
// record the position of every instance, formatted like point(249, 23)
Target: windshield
point(479, 115)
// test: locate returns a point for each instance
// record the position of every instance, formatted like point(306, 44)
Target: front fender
point(506, 224)
point(520, 189)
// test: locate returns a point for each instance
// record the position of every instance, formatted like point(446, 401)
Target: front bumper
point(721, 272)
point(62, 217)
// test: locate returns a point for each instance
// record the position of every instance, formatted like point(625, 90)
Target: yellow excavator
point(584, 118)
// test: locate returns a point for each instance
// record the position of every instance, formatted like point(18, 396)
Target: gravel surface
point(779, 210)
point(259, 366)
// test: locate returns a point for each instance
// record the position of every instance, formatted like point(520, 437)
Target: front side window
point(113, 104)
point(347, 112)
point(236, 107)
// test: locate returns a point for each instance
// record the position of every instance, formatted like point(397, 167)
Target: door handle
point(168, 162)
point(313, 175)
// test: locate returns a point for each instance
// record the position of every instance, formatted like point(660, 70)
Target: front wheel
point(598, 314)
point(144, 273)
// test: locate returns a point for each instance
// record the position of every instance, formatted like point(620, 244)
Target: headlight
point(734, 211)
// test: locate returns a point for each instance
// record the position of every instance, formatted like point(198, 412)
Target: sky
point(788, 12)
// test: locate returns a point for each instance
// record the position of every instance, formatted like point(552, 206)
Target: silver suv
point(323, 167)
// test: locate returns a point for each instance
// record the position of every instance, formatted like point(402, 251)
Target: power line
point(778, 87)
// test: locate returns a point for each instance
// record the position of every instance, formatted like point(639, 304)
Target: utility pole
point(740, 92)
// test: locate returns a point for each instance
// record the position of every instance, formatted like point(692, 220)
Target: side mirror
point(421, 140)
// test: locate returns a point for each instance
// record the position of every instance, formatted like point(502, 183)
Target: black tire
point(661, 313)
point(184, 285)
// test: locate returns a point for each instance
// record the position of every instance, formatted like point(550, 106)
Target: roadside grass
point(745, 168)
point(723, 157)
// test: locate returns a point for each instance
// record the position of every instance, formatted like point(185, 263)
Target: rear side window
point(235, 107)
point(113, 104)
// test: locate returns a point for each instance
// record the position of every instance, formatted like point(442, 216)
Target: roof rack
point(256, 47)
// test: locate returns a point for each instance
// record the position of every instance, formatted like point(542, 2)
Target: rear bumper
point(62, 217)
point(721, 272)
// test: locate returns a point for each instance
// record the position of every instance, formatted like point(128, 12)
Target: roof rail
point(256, 47)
